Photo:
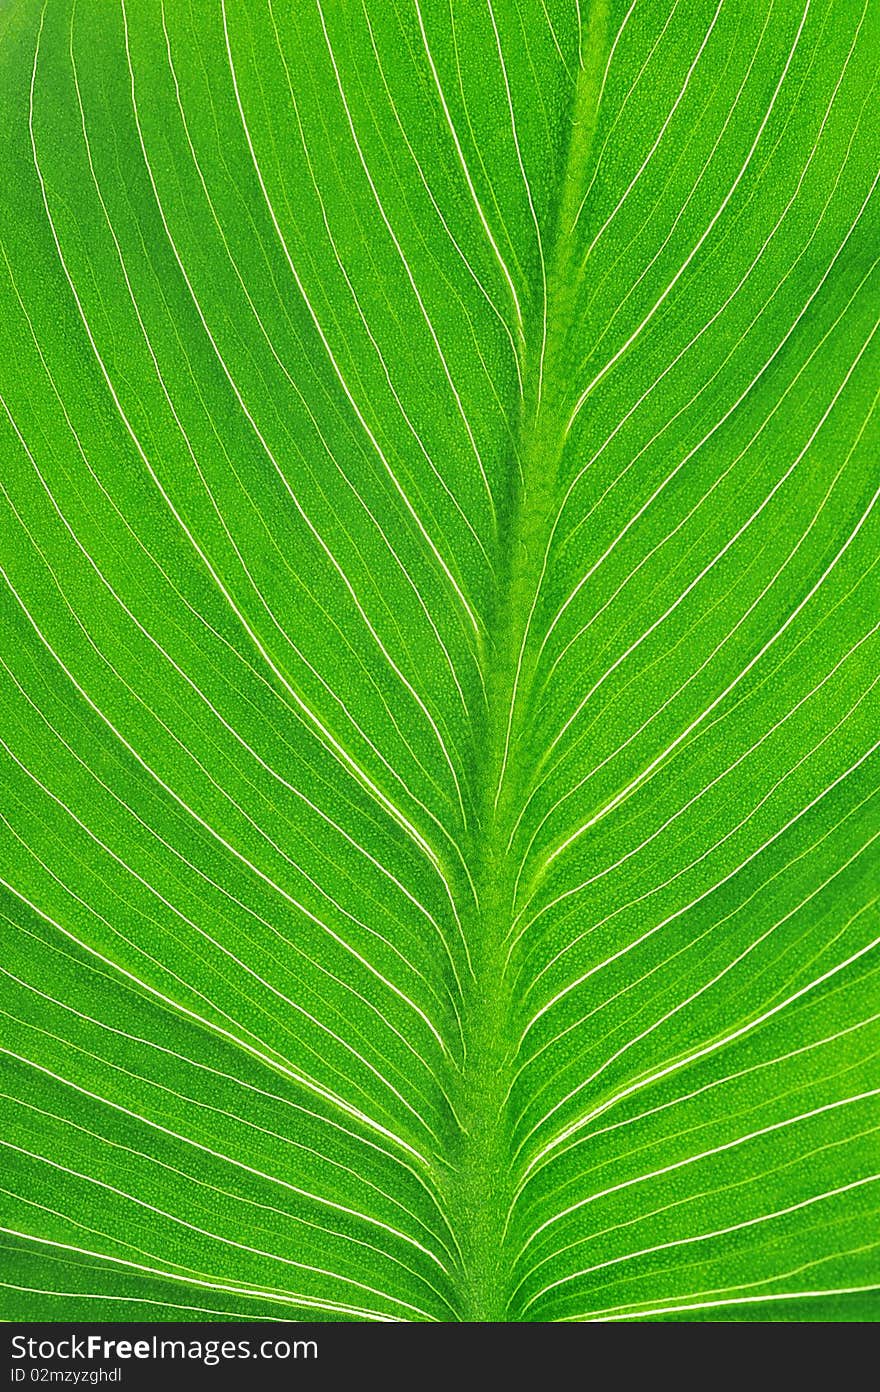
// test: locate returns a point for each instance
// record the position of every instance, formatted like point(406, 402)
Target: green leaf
point(439, 544)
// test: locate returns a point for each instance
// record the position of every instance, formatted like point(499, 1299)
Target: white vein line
point(386, 371)
point(777, 1276)
point(193, 869)
point(404, 680)
point(645, 1216)
point(286, 1299)
point(639, 781)
point(742, 822)
point(318, 1199)
point(611, 52)
point(582, 782)
point(556, 43)
point(718, 646)
point(740, 908)
point(678, 913)
point(328, 349)
point(285, 482)
point(205, 1232)
point(680, 355)
point(409, 275)
point(743, 1072)
point(659, 709)
point(618, 1053)
point(214, 1189)
point(527, 630)
point(233, 652)
point(285, 783)
point(196, 870)
point(354, 491)
point(730, 543)
point(238, 1118)
point(221, 840)
point(162, 966)
point(694, 943)
point(276, 1099)
point(610, 1316)
point(623, 105)
point(292, 382)
point(699, 243)
point(275, 1064)
point(636, 782)
point(774, 1167)
point(290, 492)
point(167, 1304)
point(706, 1236)
point(741, 338)
point(137, 1251)
point(682, 209)
point(219, 946)
point(85, 1232)
point(643, 166)
point(203, 622)
point(675, 1165)
point(706, 1049)
point(327, 738)
point(423, 178)
point(467, 174)
point(527, 186)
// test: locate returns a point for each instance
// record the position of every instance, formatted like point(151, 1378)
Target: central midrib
point(481, 1181)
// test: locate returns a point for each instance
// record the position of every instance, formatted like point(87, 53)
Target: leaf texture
point(440, 609)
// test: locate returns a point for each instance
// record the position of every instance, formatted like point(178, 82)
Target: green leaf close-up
point(440, 608)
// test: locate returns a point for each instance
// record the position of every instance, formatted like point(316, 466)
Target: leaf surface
point(439, 544)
